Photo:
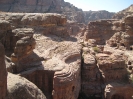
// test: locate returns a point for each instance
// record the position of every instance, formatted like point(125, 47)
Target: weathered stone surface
point(75, 29)
point(3, 73)
point(112, 67)
point(124, 34)
point(19, 20)
point(64, 60)
point(97, 15)
point(5, 29)
point(41, 23)
point(99, 31)
point(19, 87)
point(43, 6)
point(124, 13)
point(72, 13)
point(41, 78)
point(91, 76)
point(127, 36)
point(118, 91)
point(54, 64)
point(107, 46)
point(61, 65)
point(24, 43)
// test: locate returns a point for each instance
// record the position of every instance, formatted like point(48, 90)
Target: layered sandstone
point(123, 36)
point(98, 32)
point(91, 77)
point(107, 51)
point(43, 49)
point(43, 6)
point(97, 15)
point(72, 13)
point(54, 63)
point(124, 13)
point(64, 59)
point(112, 67)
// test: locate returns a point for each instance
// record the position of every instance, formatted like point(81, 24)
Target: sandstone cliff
point(51, 53)
point(124, 13)
point(54, 6)
point(54, 63)
point(97, 15)
point(107, 51)
point(43, 6)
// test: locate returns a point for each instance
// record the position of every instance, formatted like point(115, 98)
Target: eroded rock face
point(54, 63)
point(3, 73)
point(24, 43)
point(127, 37)
point(124, 13)
point(107, 51)
point(59, 65)
point(5, 34)
point(73, 13)
point(44, 6)
point(19, 87)
point(41, 78)
point(20, 20)
point(123, 37)
point(112, 67)
point(91, 77)
point(118, 91)
point(100, 31)
point(97, 15)
point(76, 29)
point(64, 60)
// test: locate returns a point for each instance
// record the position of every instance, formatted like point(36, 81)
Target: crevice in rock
point(82, 62)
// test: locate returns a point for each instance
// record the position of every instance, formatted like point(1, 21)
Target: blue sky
point(95, 5)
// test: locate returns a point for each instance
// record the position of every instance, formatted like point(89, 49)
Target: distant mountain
point(96, 15)
point(43, 6)
point(124, 13)
point(53, 6)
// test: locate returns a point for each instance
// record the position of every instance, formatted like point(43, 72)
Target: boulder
point(19, 87)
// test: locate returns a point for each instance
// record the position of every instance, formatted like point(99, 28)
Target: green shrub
point(96, 49)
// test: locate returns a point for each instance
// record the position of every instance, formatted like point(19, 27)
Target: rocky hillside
point(53, 6)
point(43, 6)
point(96, 15)
point(124, 13)
point(42, 49)
point(39, 48)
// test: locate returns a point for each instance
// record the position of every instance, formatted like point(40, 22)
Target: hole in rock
point(73, 88)
point(130, 67)
point(122, 44)
point(129, 63)
point(131, 48)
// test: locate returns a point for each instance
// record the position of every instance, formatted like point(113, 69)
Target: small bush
point(96, 49)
